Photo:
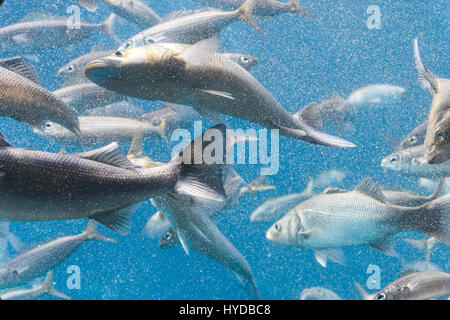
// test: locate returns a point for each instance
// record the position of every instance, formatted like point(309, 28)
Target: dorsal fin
point(110, 154)
point(370, 188)
point(20, 66)
point(426, 78)
point(331, 190)
point(183, 13)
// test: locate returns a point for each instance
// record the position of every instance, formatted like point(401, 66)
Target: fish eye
point(148, 40)
point(118, 54)
point(439, 136)
point(245, 60)
point(167, 236)
point(415, 161)
point(48, 125)
point(381, 296)
point(393, 159)
point(413, 139)
point(278, 227)
point(70, 68)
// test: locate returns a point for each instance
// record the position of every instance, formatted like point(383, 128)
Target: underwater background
point(301, 60)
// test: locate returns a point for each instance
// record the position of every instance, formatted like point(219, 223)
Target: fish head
point(7, 275)
point(410, 141)
point(168, 239)
point(51, 129)
point(392, 292)
point(287, 231)
point(247, 61)
point(67, 70)
point(393, 162)
point(438, 150)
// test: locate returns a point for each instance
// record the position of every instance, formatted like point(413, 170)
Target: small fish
point(275, 208)
point(415, 138)
point(34, 293)
point(191, 26)
point(103, 130)
point(211, 82)
point(244, 60)
point(24, 99)
point(437, 139)
point(38, 36)
point(75, 68)
point(134, 11)
point(425, 285)
point(373, 95)
point(44, 257)
point(338, 218)
point(319, 293)
point(117, 109)
point(88, 95)
point(426, 245)
point(411, 162)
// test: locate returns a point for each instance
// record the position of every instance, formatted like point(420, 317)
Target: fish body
point(134, 11)
point(190, 27)
point(374, 95)
point(318, 293)
point(117, 109)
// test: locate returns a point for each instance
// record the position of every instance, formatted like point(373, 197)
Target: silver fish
point(134, 11)
point(104, 130)
point(88, 95)
point(208, 81)
point(318, 293)
point(75, 68)
point(411, 162)
point(437, 139)
point(191, 26)
point(100, 184)
point(415, 138)
point(117, 109)
point(24, 99)
point(373, 95)
point(44, 257)
point(338, 218)
point(31, 294)
point(38, 36)
point(423, 285)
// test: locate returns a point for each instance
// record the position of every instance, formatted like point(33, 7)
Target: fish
point(103, 130)
point(191, 26)
point(263, 8)
point(31, 37)
point(275, 208)
point(319, 293)
point(135, 11)
point(74, 69)
point(44, 257)
point(212, 83)
point(87, 95)
point(415, 138)
point(437, 138)
point(100, 184)
point(411, 162)
point(23, 98)
point(244, 60)
point(426, 245)
point(337, 218)
point(34, 293)
point(373, 95)
point(425, 285)
point(117, 109)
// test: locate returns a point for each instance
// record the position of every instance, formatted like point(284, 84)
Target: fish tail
point(295, 8)
point(258, 185)
point(108, 26)
point(89, 5)
point(92, 233)
point(49, 288)
point(245, 14)
point(249, 286)
point(435, 219)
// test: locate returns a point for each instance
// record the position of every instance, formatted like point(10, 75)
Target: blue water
point(301, 60)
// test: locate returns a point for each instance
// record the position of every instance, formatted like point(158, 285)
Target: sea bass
point(338, 218)
point(198, 76)
point(100, 184)
point(24, 99)
point(437, 139)
point(425, 285)
point(38, 36)
point(191, 26)
point(44, 257)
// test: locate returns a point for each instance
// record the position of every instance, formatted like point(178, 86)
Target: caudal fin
point(89, 5)
point(48, 287)
point(108, 26)
point(295, 8)
point(435, 219)
point(245, 14)
point(92, 233)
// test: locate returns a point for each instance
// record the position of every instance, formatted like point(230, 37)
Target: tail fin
point(427, 79)
point(435, 220)
point(295, 8)
point(309, 190)
point(48, 287)
point(108, 26)
point(245, 14)
point(257, 185)
point(425, 245)
point(89, 5)
point(92, 233)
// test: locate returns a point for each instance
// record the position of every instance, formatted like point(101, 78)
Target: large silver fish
point(99, 184)
point(437, 139)
point(38, 36)
point(425, 285)
point(31, 294)
point(411, 162)
point(134, 11)
point(44, 257)
point(191, 26)
point(24, 99)
point(337, 218)
point(200, 77)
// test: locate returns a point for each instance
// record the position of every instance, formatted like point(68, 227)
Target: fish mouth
point(436, 157)
point(269, 235)
point(100, 71)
